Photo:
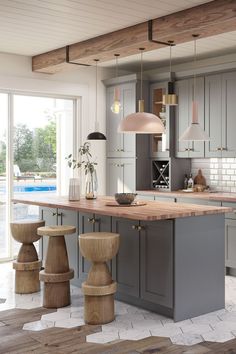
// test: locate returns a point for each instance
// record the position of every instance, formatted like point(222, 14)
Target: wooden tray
point(115, 204)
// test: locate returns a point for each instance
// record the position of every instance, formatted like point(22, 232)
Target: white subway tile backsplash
point(220, 173)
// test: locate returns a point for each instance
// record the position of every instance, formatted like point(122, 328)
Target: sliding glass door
point(36, 135)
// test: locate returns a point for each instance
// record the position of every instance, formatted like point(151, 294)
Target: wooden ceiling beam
point(215, 17)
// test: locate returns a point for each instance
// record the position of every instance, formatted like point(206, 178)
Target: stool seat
point(25, 231)
point(99, 246)
point(27, 265)
point(99, 288)
point(56, 230)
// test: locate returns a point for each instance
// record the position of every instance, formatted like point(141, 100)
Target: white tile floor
point(131, 322)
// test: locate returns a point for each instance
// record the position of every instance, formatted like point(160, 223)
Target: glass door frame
point(77, 104)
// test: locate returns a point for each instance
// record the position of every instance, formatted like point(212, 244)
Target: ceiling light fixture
point(96, 135)
point(141, 122)
point(170, 99)
point(116, 105)
point(194, 132)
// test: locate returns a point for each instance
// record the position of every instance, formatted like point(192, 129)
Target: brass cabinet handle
point(122, 150)
point(138, 227)
point(221, 149)
point(122, 165)
point(117, 150)
point(117, 165)
point(188, 149)
point(93, 220)
point(56, 214)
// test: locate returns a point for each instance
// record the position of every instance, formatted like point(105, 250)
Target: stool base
point(99, 309)
point(27, 282)
point(56, 295)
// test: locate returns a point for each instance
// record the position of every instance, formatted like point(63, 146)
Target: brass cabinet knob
point(188, 149)
point(93, 220)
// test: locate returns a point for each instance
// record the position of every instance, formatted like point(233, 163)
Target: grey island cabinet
point(171, 258)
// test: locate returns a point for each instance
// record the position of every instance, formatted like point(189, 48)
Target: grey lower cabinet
point(198, 201)
point(90, 223)
point(230, 239)
point(121, 175)
point(156, 252)
point(56, 216)
point(143, 267)
point(127, 277)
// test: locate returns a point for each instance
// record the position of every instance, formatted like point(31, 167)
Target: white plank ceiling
point(30, 27)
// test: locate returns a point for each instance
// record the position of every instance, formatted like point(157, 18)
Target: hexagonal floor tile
point(69, 323)
point(102, 337)
point(186, 339)
point(38, 325)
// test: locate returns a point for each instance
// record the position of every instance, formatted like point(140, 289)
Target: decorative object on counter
point(74, 189)
point(190, 181)
point(116, 105)
point(185, 181)
point(57, 274)
point(200, 179)
point(170, 98)
point(125, 198)
point(194, 132)
point(141, 122)
point(99, 288)
point(96, 135)
point(91, 183)
point(27, 265)
point(199, 188)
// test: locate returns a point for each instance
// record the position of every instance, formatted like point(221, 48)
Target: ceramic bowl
point(125, 198)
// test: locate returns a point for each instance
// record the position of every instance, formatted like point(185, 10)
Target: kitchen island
point(171, 258)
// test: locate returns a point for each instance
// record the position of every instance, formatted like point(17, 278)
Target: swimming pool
point(26, 189)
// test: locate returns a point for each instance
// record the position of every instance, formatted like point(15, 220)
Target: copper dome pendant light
point(170, 99)
point(141, 122)
point(96, 135)
point(194, 132)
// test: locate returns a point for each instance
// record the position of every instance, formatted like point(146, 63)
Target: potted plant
point(91, 184)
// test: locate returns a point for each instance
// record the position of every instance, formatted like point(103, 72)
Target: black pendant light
point(96, 135)
point(170, 98)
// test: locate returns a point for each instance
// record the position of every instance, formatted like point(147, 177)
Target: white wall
point(76, 81)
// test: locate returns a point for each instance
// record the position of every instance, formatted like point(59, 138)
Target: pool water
point(25, 189)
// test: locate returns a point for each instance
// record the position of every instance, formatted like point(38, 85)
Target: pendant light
point(170, 99)
point(96, 135)
point(116, 105)
point(194, 132)
point(141, 122)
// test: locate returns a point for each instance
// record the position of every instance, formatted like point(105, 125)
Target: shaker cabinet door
point(121, 176)
point(185, 92)
point(230, 243)
point(118, 144)
point(125, 266)
point(157, 262)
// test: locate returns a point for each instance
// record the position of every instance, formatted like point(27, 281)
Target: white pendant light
point(116, 105)
point(194, 132)
point(96, 135)
point(170, 98)
point(141, 122)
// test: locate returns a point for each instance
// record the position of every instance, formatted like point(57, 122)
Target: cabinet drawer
point(164, 199)
point(198, 201)
point(231, 215)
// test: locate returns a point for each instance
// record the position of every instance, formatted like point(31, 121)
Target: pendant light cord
point(96, 94)
point(195, 67)
point(141, 73)
point(170, 60)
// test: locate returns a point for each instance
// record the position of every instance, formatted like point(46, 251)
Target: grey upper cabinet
point(220, 115)
point(127, 277)
point(157, 262)
point(184, 89)
point(121, 176)
point(118, 144)
point(162, 145)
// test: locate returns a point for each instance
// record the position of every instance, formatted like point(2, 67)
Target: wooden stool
point(27, 265)
point(57, 273)
point(99, 288)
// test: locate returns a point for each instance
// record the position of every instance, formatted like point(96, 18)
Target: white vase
point(74, 189)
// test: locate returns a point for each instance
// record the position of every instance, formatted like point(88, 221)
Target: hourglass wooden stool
point(56, 274)
point(27, 265)
point(99, 288)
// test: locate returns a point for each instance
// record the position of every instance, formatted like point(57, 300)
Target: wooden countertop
point(214, 196)
point(151, 211)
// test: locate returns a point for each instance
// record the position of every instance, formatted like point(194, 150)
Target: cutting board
point(200, 179)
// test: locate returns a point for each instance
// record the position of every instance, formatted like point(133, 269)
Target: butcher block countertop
point(150, 212)
point(214, 196)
